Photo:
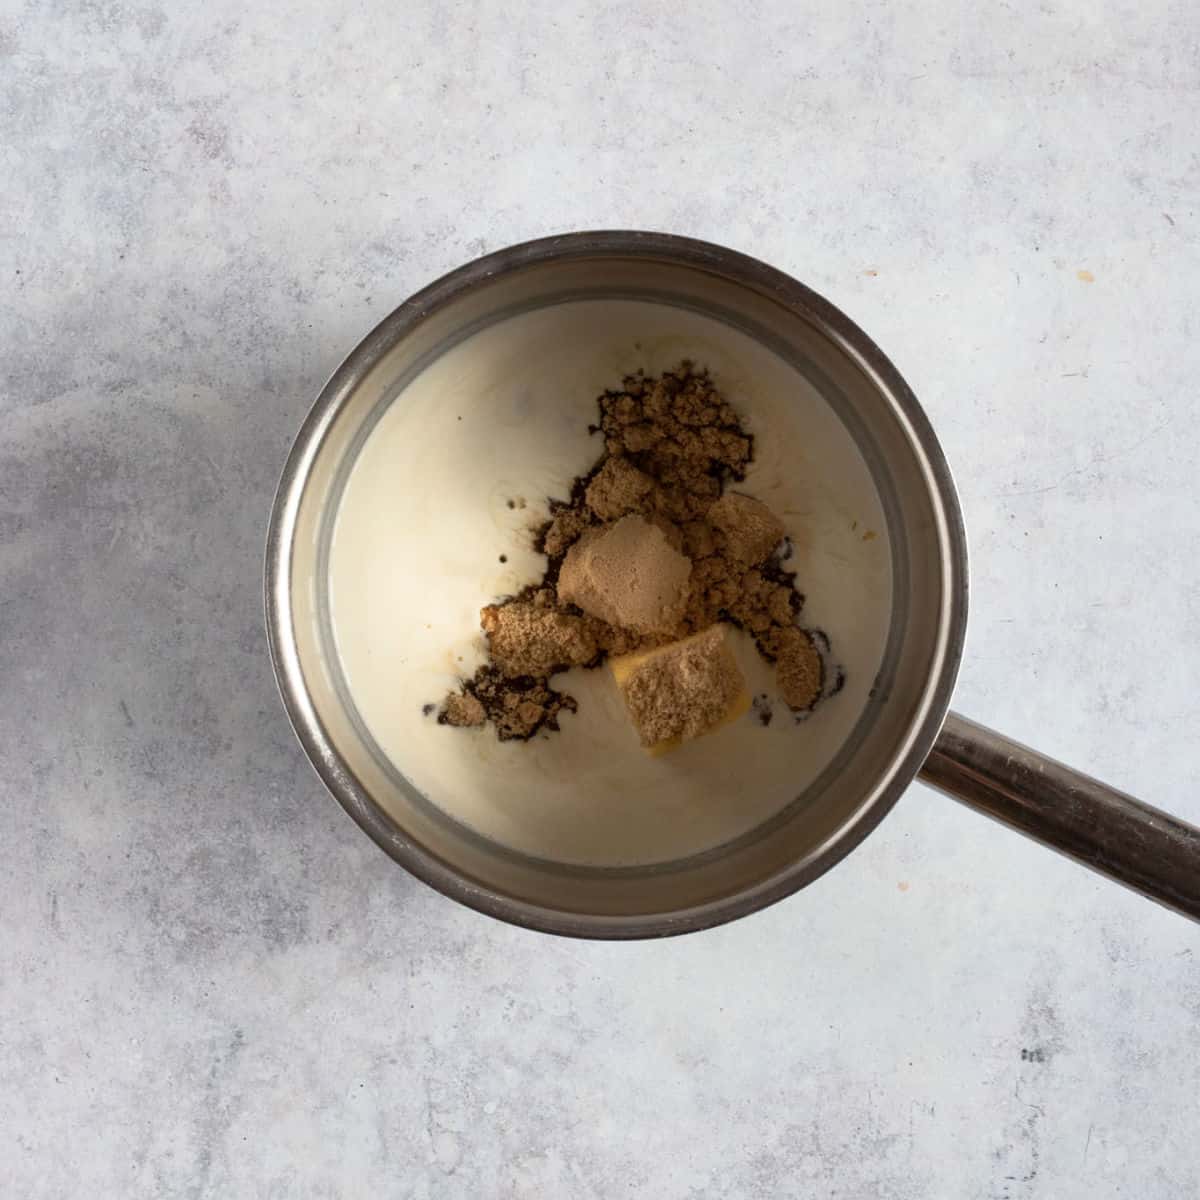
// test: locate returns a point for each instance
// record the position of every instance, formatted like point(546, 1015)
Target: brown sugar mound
point(800, 670)
point(517, 708)
point(751, 529)
point(650, 548)
point(679, 431)
point(619, 488)
point(682, 690)
point(565, 527)
point(524, 638)
point(627, 575)
point(463, 709)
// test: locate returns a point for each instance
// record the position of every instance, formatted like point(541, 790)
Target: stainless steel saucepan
point(905, 731)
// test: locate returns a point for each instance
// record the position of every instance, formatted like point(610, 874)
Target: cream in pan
point(453, 477)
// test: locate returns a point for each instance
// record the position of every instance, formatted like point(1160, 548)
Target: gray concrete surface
point(210, 983)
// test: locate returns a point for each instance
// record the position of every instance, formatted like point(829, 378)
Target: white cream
point(425, 518)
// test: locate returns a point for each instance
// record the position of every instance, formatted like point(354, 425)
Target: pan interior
point(440, 461)
point(422, 524)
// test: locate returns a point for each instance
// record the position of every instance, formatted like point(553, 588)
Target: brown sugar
point(650, 548)
point(799, 671)
point(682, 690)
point(566, 526)
point(751, 529)
point(764, 600)
point(619, 488)
point(627, 575)
point(680, 431)
point(524, 638)
point(517, 708)
point(462, 708)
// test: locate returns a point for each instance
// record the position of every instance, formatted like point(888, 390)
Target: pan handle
point(1137, 845)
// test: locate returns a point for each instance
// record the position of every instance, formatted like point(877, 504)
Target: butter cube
point(680, 691)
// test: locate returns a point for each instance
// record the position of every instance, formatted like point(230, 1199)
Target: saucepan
point(902, 728)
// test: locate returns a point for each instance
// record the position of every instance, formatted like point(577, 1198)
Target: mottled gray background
point(211, 984)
